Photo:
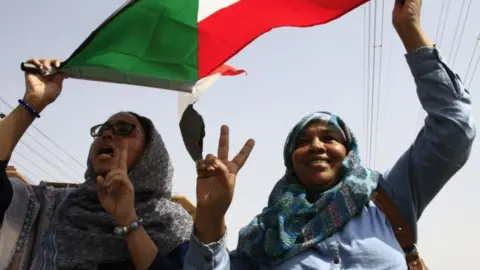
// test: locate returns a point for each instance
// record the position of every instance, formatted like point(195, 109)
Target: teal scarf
point(290, 223)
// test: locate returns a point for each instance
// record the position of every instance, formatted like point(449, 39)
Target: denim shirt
point(441, 148)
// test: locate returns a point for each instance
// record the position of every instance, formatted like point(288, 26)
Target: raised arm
point(40, 92)
point(215, 186)
point(443, 145)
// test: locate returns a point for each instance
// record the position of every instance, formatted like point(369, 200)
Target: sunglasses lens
point(120, 128)
point(123, 129)
point(98, 130)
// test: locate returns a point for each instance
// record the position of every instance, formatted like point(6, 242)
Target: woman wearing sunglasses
point(122, 217)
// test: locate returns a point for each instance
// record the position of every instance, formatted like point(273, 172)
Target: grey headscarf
point(82, 236)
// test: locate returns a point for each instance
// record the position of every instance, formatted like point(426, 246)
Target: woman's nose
point(317, 146)
point(108, 134)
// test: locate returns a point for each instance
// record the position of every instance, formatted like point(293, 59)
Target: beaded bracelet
point(123, 230)
point(30, 108)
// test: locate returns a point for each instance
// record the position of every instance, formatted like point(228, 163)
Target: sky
point(291, 72)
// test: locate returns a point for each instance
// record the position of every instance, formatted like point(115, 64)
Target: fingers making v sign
point(217, 175)
point(115, 190)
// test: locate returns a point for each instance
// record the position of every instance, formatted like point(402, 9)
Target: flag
point(187, 99)
point(192, 125)
point(172, 44)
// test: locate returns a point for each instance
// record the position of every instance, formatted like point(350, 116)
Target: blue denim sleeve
point(443, 145)
point(6, 190)
point(215, 256)
point(212, 256)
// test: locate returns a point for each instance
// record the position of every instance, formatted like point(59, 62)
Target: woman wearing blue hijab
point(322, 213)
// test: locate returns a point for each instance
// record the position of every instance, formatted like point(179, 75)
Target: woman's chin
point(321, 181)
point(101, 169)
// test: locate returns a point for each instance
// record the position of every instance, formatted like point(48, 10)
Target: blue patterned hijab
point(290, 223)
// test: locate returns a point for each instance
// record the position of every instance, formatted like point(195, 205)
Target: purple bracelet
point(32, 110)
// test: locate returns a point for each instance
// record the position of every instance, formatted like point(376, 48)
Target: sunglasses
point(120, 128)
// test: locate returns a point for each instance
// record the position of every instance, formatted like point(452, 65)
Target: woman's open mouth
point(105, 152)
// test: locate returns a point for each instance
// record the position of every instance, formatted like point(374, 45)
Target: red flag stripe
point(226, 70)
point(224, 33)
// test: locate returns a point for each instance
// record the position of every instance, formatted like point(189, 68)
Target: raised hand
point(115, 190)
point(215, 187)
point(407, 12)
point(406, 20)
point(43, 90)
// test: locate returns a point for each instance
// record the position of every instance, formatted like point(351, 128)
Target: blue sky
point(291, 72)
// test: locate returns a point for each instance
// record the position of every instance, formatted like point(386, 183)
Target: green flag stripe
point(150, 40)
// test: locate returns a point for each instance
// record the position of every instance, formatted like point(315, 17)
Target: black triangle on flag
point(192, 128)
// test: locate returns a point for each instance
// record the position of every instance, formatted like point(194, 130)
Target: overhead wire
point(373, 96)
point(388, 72)
point(60, 148)
point(46, 148)
point(24, 169)
point(476, 64)
point(471, 58)
point(461, 33)
point(365, 78)
point(456, 31)
point(53, 154)
point(368, 104)
point(45, 159)
point(437, 35)
point(372, 84)
point(444, 22)
point(35, 165)
point(369, 81)
point(48, 138)
point(473, 73)
point(456, 48)
point(379, 88)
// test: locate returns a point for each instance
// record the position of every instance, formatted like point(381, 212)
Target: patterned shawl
point(81, 235)
point(290, 223)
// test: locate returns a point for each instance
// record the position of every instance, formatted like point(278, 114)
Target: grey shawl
point(74, 232)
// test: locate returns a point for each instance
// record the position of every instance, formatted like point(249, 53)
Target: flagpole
point(30, 68)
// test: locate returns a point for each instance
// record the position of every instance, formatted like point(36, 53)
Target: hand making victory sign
point(215, 186)
point(115, 190)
